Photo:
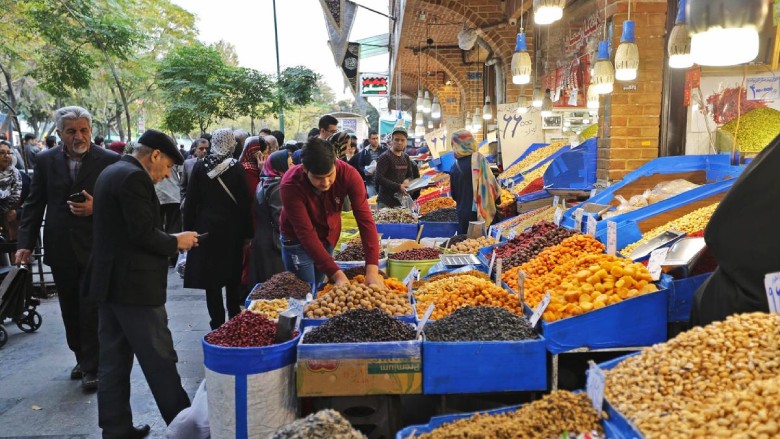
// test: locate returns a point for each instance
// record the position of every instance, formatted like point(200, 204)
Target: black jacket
point(129, 263)
point(67, 238)
point(364, 159)
point(218, 259)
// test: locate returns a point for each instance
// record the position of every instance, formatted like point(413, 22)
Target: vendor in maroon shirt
point(313, 194)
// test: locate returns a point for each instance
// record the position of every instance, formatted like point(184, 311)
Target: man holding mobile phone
point(62, 187)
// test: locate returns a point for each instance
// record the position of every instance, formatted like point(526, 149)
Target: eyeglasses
point(333, 131)
point(5, 153)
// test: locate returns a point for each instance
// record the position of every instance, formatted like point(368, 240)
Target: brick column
point(634, 123)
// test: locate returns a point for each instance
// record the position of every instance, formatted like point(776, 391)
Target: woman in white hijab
point(218, 204)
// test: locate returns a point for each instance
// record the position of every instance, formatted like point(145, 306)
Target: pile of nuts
point(480, 323)
point(530, 178)
point(446, 215)
point(245, 330)
point(531, 160)
point(391, 283)
point(455, 292)
point(281, 286)
point(338, 300)
point(472, 246)
point(571, 248)
point(326, 423)
point(436, 204)
point(720, 380)
point(525, 220)
point(606, 281)
point(360, 326)
point(417, 254)
point(506, 198)
point(559, 414)
point(396, 215)
point(476, 273)
point(690, 223)
point(269, 308)
point(353, 252)
point(353, 272)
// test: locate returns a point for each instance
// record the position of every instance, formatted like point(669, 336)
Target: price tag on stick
point(657, 258)
point(492, 261)
point(772, 285)
point(411, 277)
point(578, 219)
point(556, 200)
point(540, 310)
point(499, 267)
point(595, 386)
point(592, 221)
point(424, 320)
point(611, 238)
point(558, 216)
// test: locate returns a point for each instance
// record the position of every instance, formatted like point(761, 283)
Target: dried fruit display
point(269, 308)
point(452, 293)
point(480, 323)
point(280, 286)
point(559, 414)
point(436, 204)
point(326, 423)
point(720, 380)
point(528, 178)
point(757, 128)
point(531, 160)
point(690, 223)
point(417, 254)
point(471, 245)
point(245, 330)
point(523, 221)
point(395, 216)
point(446, 215)
point(360, 326)
point(338, 300)
point(476, 273)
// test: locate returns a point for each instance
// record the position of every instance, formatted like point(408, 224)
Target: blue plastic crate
point(574, 169)
point(437, 421)
point(681, 296)
point(438, 229)
point(638, 321)
point(533, 196)
point(719, 167)
point(444, 162)
point(617, 426)
point(506, 366)
point(397, 231)
point(526, 153)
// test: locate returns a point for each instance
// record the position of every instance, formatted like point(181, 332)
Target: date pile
point(523, 221)
point(245, 330)
point(559, 414)
point(530, 243)
point(395, 216)
point(452, 293)
point(281, 286)
point(360, 326)
point(480, 323)
point(446, 215)
point(721, 380)
point(417, 254)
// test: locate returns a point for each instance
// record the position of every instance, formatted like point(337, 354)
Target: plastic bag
point(371, 168)
point(407, 202)
point(668, 189)
point(192, 422)
point(181, 264)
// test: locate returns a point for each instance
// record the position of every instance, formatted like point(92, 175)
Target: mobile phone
point(203, 235)
point(78, 197)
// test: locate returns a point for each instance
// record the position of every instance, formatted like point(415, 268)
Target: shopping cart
point(16, 301)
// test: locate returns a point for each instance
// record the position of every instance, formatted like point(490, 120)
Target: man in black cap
point(128, 276)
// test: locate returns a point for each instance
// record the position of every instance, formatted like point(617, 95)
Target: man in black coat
point(128, 276)
point(62, 186)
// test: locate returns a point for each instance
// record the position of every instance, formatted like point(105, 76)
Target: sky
point(303, 38)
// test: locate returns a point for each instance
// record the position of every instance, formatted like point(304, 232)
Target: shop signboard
point(438, 141)
point(516, 132)
point(374, 84)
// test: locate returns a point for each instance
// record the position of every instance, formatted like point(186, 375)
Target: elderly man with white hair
point(62, 188)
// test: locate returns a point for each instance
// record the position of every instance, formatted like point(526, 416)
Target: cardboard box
point(353, 369)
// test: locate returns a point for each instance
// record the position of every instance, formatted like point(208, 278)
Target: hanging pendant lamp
point(679, 41)
point(725, 32)
point(603, 72)
point(548, 11)
point(487, 110)
point(419, 101)
point(522, 105)
point(592, 98)
point(476, 122)
point(467, 123)
point(627, 55)
point(521, 61)
point(430, 124)
point(436, 108)
point(426, 103)
point(547, 104)
point(538, 97)
point(418, 120)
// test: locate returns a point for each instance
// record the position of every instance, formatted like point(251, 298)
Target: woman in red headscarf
point(252, 160)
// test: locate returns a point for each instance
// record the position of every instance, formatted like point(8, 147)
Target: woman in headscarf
point(474, 187)
point(218, 204)
point(10, 191)
point(252, 159)
point(345, 151)
point(266, 255)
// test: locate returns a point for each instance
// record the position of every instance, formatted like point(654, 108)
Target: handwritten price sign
point(516, 132)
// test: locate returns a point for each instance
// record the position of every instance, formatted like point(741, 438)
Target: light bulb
point(592, 98)
point(436, 108)
point(467, 123)
point(725, 32)
point(430, 124)
point(547, 104)
point(419, 102)
point(522, 105)
point(548, 11)
point(476, 121)
point(426, 103)
point(725, 47)
point(679, 46)
point(538, 97)
point(627, 55)
point(521, 62)
point(487, 111)
point(418, 120)
point(604, 72)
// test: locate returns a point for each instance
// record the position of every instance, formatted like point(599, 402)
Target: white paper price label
point(540, 310)
point(297, 306)
point(421, 324)
point(521, 285)
point(556, 200)
point(592, 193)
point(492, 261)
point(413, 275)
point(558, 216)
point(578, 219)
point(512, 234)
point(657, 258)
point(772, 285)
point(591, 225)
point(611, 238)
point(595, 386)
point(499, 270)
point(497, 234)
point(309, 297)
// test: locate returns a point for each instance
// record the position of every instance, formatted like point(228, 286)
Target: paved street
point(37, 398)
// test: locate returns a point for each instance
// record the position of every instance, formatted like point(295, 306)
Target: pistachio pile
point(395, 216)
point(720, 380)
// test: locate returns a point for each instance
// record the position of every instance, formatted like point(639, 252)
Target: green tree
point(295, 87)
point(251, 92)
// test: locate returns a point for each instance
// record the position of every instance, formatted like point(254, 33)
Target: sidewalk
point(37, 398)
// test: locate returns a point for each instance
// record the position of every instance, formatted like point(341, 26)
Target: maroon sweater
point(313, 218)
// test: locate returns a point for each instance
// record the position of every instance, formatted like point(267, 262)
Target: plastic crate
point(397, 231)
point(444, 162)
point(439, 229)
point(437, 421)
point(681, 296)
point(617, 425)
point(574, 169)
point(506, 366)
